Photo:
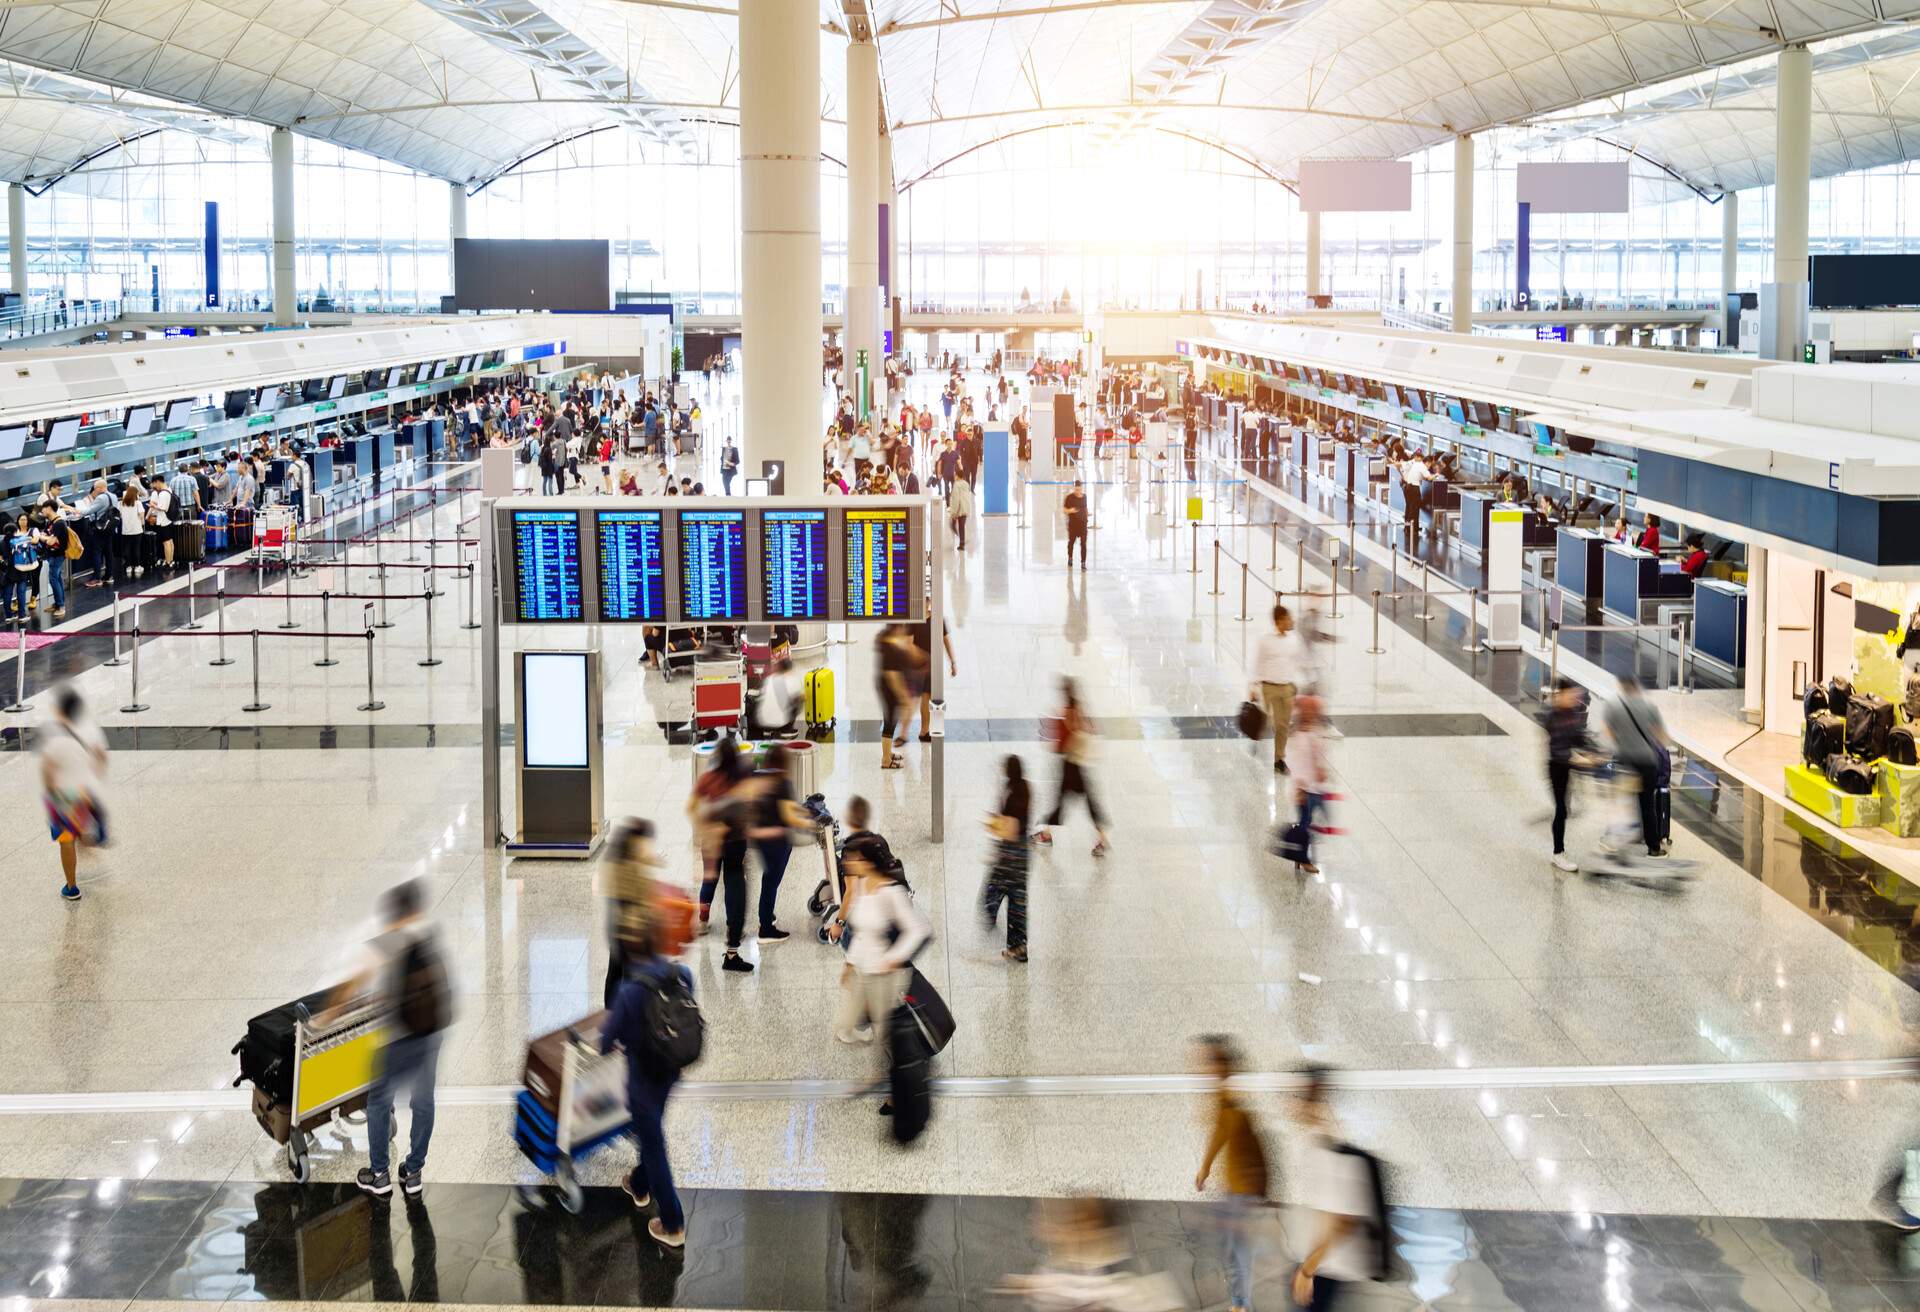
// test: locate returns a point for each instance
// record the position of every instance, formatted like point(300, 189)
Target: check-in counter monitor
point(384, 438)
point(364, 452)
point(1579, 560)
point(1720, 621)
point(320, 462)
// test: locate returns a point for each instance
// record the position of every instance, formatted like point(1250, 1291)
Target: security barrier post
point(1426, 591)
point(1333, 560)
point(20, 703)
point(134, 705)
point(290, 622)
point(473, 621)
point(193, 604)
point(1353, 553)
point(220, 621)
point(256, 704)
point(326, 633)
point(1376, 649)
point(119, 657)
point(431, 659)
point(433, 567)
point(1300, 563)
point(372, 703)
point(1216, 569)
point(1473, 621)
point(1245, 571)
point(1196, 548)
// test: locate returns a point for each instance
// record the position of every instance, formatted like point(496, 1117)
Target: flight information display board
point(546, 566)
point(794, 548)
point(713, 565)
point(878, 561)
point(633, 566)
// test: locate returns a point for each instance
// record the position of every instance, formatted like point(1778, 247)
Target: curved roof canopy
point(462, 89)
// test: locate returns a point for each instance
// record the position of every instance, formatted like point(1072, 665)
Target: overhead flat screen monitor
point(440, 369)
point(879, 558)
point(13, 442)
point(713, 565)
point(466, 364)
point(1841, 282)
point(795, 573)
point(237, 402)
point(63, 434)
point(554, 710)
point(139, 421)
point(424, 372)
point(337, 387)
point(313, 389)
point(179, 412)
point(546, 566)
point(396, 375)
point(633, 566)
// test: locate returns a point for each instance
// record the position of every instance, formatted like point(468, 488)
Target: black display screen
point(713, 565)
point(546, 553)
point(633, 566)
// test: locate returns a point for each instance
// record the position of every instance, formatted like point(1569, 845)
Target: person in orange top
point(1235, 1144)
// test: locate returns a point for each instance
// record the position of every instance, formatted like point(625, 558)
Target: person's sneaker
point(1014, 954)
point(1100, 849)
point(1042, 838)
point(377, 1183)
point(773, 934)
point(1280, 767)
point(411, 1182)
point(33, 603)
point(706, 919)
point(59, 612)
point(640, 1200)
point(662, 1235)
point(1561, 861)
point(738, 964)
point(69, 893)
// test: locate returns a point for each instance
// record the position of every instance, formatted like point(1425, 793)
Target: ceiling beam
point(1385, 121)
point(897, 28)
point(1673, 18)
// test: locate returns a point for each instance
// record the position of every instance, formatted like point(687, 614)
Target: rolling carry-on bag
point(817, 695)
point(217, 534)
point(928, 1011)
point(189, 541)
point(909, 1076)
point(547, 1053)
point(266, 1062)
point(1869, 722)
point(240, 527)
point(1824, 736)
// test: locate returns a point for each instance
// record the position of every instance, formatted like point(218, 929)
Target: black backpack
point(1901, 749)
point(1824, 735)
point(1380, 1237)
point(425, 1001)
point(675, 1032)
point(1849, 774)
point(1815, 700)
point(1869, 721)
point(1839, 694)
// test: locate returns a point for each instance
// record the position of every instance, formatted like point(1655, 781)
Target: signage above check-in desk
point(710, 560)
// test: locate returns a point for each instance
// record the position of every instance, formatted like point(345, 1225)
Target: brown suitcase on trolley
point(545, 1055)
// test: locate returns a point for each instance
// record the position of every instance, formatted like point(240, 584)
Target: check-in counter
point(383, 443)
point(1300, 450)
point(1476, 506)
point(1437, 494)
point(320, 465)
point(1720, 621)
point(1579, 561)
point(1636, 581)
point(362, 452)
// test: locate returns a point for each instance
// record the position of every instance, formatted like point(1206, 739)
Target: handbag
point(928, 1011)
point(1253, 720)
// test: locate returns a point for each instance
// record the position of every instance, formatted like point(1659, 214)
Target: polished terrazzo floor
point(1438, 947)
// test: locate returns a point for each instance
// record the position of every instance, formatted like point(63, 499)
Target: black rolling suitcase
point(189, 541)
point(266, 1062)
point(910, 1062)
point(240, 528)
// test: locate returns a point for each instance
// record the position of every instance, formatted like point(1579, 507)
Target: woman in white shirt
point(133, 533)
point(887, 930)
point(160, 519)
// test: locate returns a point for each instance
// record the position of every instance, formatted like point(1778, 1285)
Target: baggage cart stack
point(573, 1100)
point(306, 1075)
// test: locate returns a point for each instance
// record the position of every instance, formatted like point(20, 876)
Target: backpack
point(675, 1033)
point(1901, 749)
point(1380, 1236)
point(1815, 700)
point(423, 996)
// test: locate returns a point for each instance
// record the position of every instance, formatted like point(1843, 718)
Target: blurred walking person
point(403, 970)
point(721, 807)
point(1278, 675)
point(1071, 735)
point(73, 766)
point(1568, 740)
point(1307, 752)
point(624, 883)
point(656, 1022)
point(880, 927)
point(776, 816)
point(1342, 1184)
point(1007, 877)
point(1235, 1144)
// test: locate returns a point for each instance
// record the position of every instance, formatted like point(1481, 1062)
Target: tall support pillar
point(1729, 243)
point(865, 376)
point(1463, 234)
point(890, 279)
point(783, 414)
point(281, 155)
point(17, 239)
point(1313, 253)
point(1783, 302)
point(456, 227)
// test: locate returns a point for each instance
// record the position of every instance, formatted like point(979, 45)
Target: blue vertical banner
point(995, 468)
point(1523, 258)
point(212, 253)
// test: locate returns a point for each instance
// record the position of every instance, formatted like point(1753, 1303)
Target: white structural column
point(891, 199)
point(780, 239)
point(281, 149)
point(17, 238)
point(456, 209)
point(1786, 317)
point(863, 221)
point(1463, 234)
point(1729, 245)
point(1313, 252)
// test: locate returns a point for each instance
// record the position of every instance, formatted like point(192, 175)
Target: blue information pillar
point(995, 467)
point(212, 253)
point(1523, 258)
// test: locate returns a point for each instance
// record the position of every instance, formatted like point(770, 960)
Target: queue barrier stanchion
point(1376, 649)
point(256, 704)
point(385, 621)
point(1300, 563)
point(473, 621)
point(1215, 590)
point(134, 705)
point(1426, 593)
point(1353, 554)
point(1196, 548)
point(1394, 575)
point(433, 566)
point(326, 633)
point(193, 607)
point(1473, 621)
point(372, 703)
point(20, 704)
point(1333, 572)
point(1246, 572)
point(430, 660)
point(220, 600)
point(119, 657)
point(289, 622)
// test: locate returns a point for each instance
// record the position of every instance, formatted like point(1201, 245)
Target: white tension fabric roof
point(462, 89)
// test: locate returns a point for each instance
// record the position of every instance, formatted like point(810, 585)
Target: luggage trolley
point(332, 1070)
point(556, 1127)
point(276, 535)
point(719, 694)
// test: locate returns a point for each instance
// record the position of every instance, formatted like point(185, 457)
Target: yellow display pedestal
point(1898, 788)
point(1810, 789)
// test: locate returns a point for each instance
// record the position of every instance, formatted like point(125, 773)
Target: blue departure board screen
point(546, 558)
point(633, 566)
point(877, 565)
point(795, 542)
point(713, 565)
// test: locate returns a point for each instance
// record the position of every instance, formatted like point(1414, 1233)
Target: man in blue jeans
point(401, 969)
point(649, 1081)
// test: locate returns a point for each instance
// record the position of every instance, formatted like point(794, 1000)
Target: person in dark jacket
point(1567, 739)
point(648, 1083)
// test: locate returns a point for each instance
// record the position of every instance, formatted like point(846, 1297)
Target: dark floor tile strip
point(832, 1252)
